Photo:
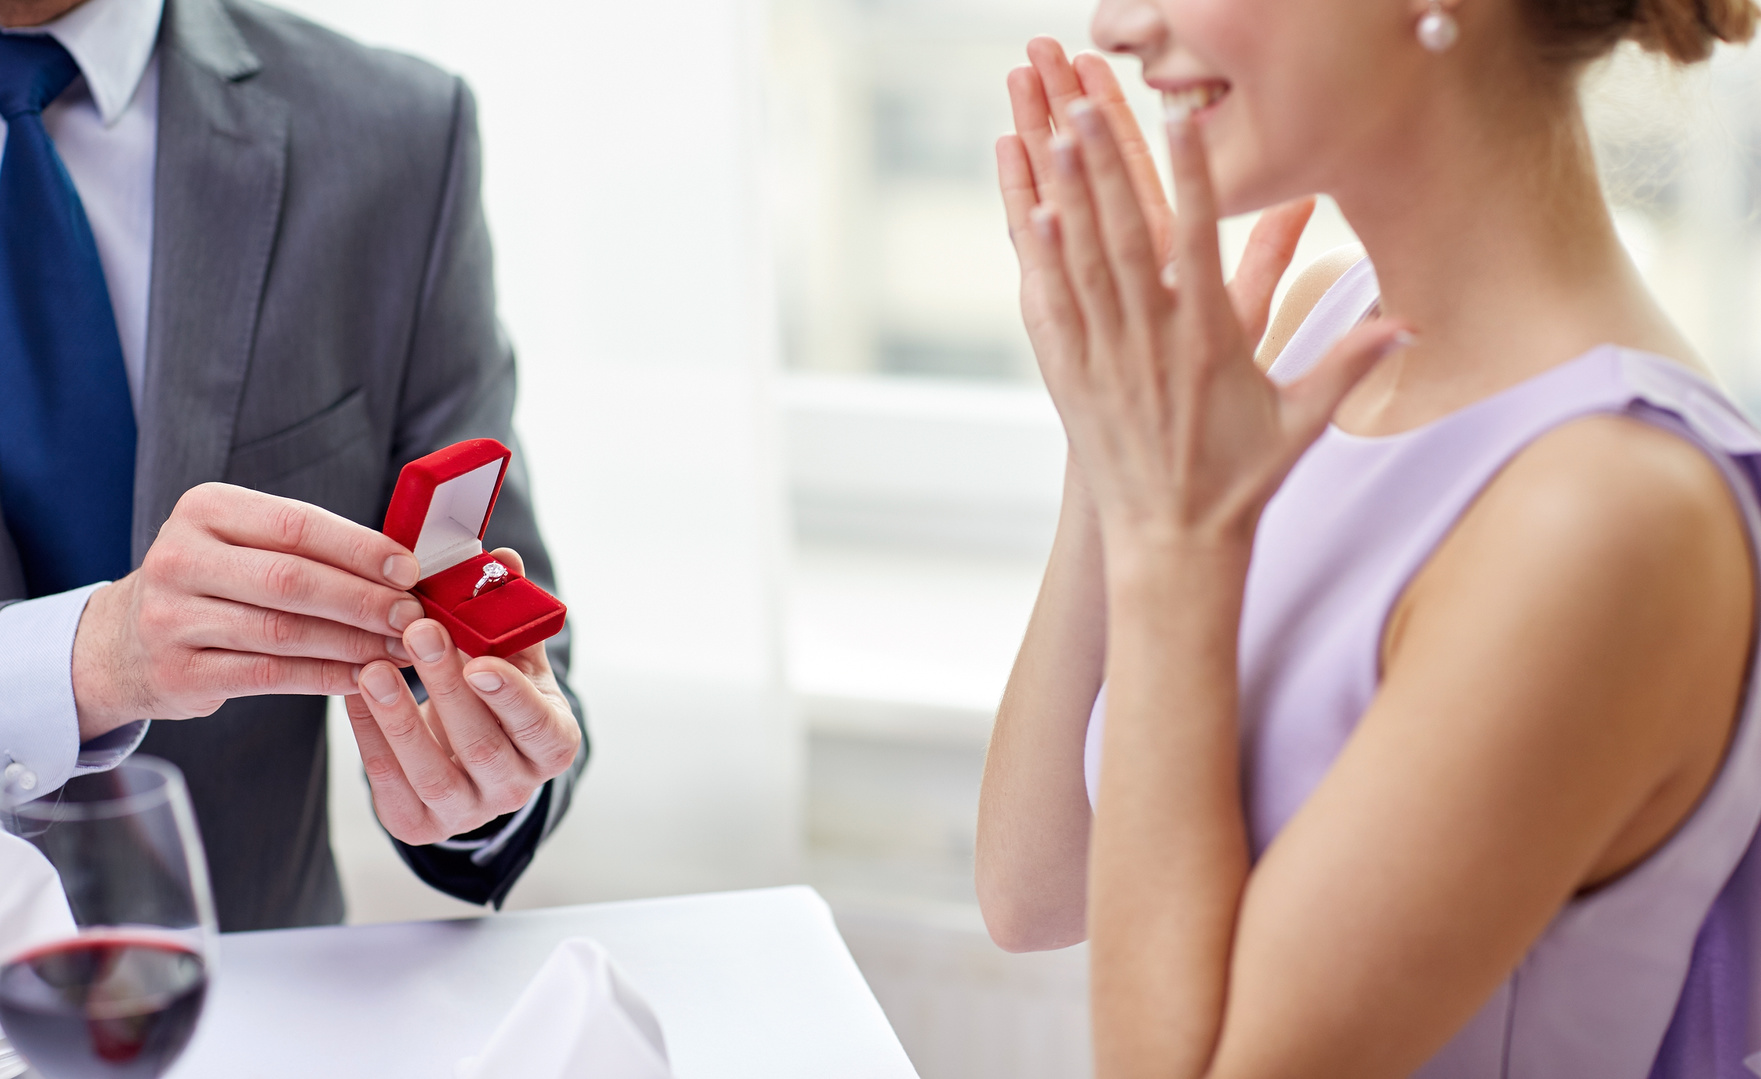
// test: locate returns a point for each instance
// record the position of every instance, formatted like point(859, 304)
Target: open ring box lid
point(440, 511)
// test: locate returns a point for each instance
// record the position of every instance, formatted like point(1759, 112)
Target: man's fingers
point(240, 627)
point(248, 518)
point(1270, 247)
point(532, 721)
point(444, 789)
point(395, 802)
point(220, 675)
point(289, 582)
point(479, 743)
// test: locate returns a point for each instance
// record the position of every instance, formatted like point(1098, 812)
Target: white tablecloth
point(746, 984)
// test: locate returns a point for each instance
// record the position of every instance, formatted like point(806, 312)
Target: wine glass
point(117, 995)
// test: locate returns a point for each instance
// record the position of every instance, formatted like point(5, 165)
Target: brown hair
point(1682, 30)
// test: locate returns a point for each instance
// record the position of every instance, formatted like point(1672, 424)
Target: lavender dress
point(1649, 976)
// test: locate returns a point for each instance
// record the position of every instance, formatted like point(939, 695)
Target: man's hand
point(490, 733)
point(241, 594)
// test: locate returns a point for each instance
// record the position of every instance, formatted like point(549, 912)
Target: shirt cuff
point(484, 850)
point(39, 722)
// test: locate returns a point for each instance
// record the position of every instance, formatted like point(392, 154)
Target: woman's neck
point(1494, 243)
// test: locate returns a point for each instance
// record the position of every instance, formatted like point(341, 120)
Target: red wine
point(102, 1007)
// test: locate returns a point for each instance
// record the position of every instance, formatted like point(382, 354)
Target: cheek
point(1306, 77)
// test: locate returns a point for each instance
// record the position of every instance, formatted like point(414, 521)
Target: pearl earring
point(1438, 29)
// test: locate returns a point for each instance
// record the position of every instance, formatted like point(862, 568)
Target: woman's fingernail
point(1086, 116)
point(485, 681)
point(395, 646)
point(1064, 152)
point(1400, 340)
point(1044, 220)
point(428, 643)
point(382, 682)
point(403, 612)
point(402, 571)
point(1171, 275)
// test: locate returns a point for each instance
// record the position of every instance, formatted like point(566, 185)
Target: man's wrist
point(98, 696)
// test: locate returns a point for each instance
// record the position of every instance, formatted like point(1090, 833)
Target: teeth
point(1183, 103)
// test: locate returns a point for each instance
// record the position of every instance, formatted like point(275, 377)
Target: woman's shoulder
point(1305, 291)
point(1604, 501)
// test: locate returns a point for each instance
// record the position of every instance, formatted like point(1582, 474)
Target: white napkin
point(578, 1019)
point(33, 908)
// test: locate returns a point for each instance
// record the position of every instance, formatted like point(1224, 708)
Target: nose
point(1132, 27)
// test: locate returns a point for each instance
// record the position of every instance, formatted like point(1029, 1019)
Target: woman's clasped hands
point(1147, 353)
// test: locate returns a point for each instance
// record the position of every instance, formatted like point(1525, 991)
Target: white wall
point(622, 161)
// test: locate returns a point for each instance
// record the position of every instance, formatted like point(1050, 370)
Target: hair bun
point(1686, 30)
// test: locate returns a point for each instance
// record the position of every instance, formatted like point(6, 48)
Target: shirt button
point(17, 774)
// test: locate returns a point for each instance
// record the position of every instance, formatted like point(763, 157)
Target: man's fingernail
point(428, 643)
point(382, 683)
point(395, 646)
point(403, 612)
point(486, 681)
point(402, 571)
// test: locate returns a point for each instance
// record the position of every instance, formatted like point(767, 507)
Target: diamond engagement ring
point(494, 573)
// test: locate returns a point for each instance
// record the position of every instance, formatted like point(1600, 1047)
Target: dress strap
point(1341, 307)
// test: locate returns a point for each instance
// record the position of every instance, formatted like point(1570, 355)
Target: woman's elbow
point(1016, 925)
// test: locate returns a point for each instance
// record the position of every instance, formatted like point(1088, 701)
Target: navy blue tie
point(67, 428)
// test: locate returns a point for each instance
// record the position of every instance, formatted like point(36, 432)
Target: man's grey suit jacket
point(322, 312)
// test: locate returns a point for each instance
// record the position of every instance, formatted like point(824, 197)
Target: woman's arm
point(1033, 818)
point(1557, 692)
point(1033, 825)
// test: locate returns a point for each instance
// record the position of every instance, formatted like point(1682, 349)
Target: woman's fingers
point(1078, 236)
point(1270, 247)
point(1125, 236)
point(1020, 193)
point(1033, 120)
point(1195, 230)
point(1307, 405)
point(1056, 76)
point(1101, 87)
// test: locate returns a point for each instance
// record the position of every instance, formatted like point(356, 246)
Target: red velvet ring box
point(440, 510)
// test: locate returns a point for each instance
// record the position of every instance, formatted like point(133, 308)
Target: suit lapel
point(218, 185)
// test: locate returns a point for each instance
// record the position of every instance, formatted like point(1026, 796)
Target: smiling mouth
point(1193, 99)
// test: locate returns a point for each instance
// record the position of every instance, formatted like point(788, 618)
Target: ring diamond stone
point(494, 573)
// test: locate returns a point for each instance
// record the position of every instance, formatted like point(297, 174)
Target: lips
point(1192, 98)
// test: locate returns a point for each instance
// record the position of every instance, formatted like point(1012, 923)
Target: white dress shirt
point(105, 127)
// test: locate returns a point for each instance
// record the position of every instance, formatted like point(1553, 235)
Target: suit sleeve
point(460, 383)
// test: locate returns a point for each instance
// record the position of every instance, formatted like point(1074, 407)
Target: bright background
point(792, 456)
